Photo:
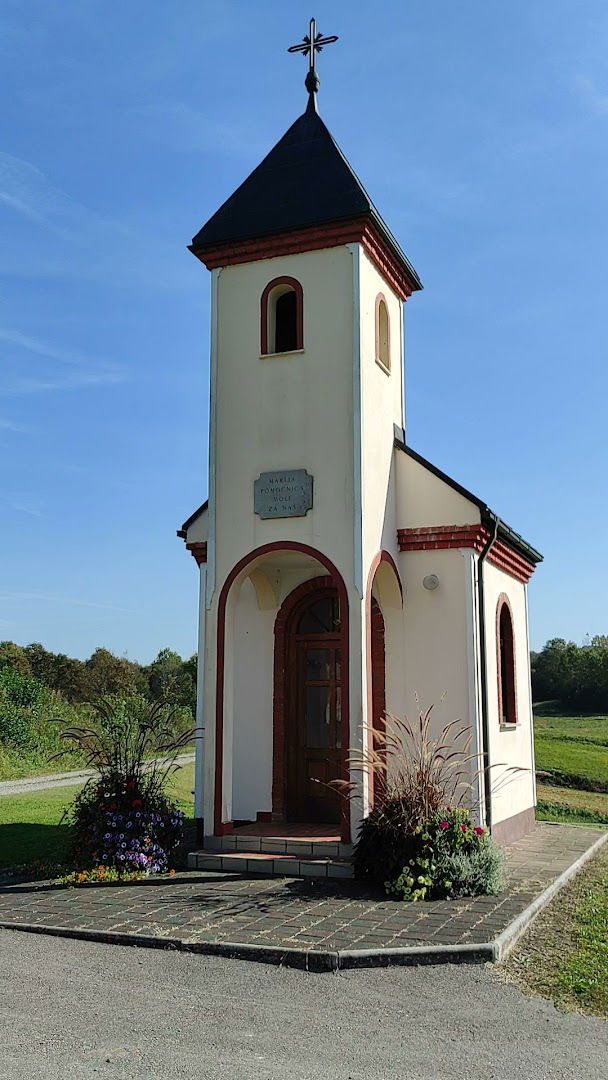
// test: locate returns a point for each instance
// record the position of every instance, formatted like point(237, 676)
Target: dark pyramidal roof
point(304, 181)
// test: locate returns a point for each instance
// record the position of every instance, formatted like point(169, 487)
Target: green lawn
point(572, 750)
point(29, 824)
point(564, 955)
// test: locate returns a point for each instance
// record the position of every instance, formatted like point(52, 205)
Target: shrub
point(449, 857)
point(415, 774)
point(20, 701)
point(123, 818)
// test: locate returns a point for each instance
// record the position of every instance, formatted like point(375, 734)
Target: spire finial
point(312, 44)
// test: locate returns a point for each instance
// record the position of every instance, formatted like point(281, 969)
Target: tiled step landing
point(273, 844)
point(271, 864)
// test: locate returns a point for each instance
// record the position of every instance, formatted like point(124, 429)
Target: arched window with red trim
point(505, 648)
point(383, 334)
point(282, 316)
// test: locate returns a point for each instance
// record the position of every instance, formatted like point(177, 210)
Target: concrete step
point(257, 862)
point(280, 845)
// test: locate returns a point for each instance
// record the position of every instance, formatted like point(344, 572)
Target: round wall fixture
point(430, 582)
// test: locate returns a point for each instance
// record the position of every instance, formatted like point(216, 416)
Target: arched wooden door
point(313, 747)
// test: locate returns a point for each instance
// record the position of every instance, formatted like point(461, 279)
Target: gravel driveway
point(75, 1009)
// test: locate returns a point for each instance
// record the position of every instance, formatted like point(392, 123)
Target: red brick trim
point(338, 583)
point(294, 284)
point(381, 299)
point(504, 605)
point(440, 537)
point(382, 556)
point(356, 230)
point(199, 550)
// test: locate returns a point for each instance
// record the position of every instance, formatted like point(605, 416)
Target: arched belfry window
point(282, 316)
point(505, 648)
point(383, 334)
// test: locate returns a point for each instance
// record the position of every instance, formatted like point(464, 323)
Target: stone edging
point(322, 960)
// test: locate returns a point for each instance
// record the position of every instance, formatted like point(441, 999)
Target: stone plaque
point(283, 494)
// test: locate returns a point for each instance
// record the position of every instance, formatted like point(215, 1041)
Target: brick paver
point(202, 908)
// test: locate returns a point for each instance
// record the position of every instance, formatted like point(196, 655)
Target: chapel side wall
point(424, 500)
point(436, 657)
point(381, 409)
point(293, 410)
point(513, 793)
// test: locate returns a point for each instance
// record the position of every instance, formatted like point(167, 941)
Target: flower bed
point(117, 823)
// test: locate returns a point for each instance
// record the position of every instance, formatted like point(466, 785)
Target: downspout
point(483, 653)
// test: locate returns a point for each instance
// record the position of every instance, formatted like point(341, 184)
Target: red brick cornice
point(356, 230)
point(441, 537)
point(198, 550)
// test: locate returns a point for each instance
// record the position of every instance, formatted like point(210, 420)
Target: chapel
point(342, 576)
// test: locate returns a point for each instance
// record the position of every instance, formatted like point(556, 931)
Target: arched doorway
point(313, 708)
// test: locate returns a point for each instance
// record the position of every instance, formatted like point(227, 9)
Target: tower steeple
point(312, 43)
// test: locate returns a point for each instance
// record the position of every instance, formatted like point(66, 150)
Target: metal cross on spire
point(312, 44)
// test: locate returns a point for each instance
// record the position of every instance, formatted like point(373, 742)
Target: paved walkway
point(66, 779)
point(320, 924)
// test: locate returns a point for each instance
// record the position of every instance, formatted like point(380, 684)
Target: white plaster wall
point(252, 674)
point(513, 792)
point(288, 411)
point(199, 529)
point(436, 638)
point(381, 408)
point(423, 499)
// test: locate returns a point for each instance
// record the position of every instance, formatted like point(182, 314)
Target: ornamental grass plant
point(419, 841)
point(123, 819)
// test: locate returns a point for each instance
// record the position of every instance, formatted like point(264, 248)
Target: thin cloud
point(70, 370)
point(19, 429)
point(596, 100)
point(71, 601)
point(181, 127)
point(123, 258)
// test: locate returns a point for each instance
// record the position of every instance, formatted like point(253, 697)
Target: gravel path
point(66, 779)
point(75, 1009)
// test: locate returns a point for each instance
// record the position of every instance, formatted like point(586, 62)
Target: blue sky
point(479, 129)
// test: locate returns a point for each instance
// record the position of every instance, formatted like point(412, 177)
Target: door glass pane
point(338, 675)
point(317, 664)
point(317, 716)
point(338, 717)
point(322, 617)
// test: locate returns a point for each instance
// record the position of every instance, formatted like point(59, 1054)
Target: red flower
point(444, 824)
point(136, 802)
point(463, 828)
point(479, 830)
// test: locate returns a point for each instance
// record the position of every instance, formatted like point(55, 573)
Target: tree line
point(574, 675)
point(168, 678)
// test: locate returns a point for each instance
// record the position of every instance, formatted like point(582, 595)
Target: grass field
point(564, 955)
point(30, 824)
point(571, 750)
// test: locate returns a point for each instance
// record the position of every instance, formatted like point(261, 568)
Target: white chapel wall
point(381, 409)
point(513, 792)
point(436, 643)
point(424, 499)
point(292, 410)
point(252, 674)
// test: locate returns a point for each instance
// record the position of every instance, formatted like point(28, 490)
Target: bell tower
point(308, 285)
